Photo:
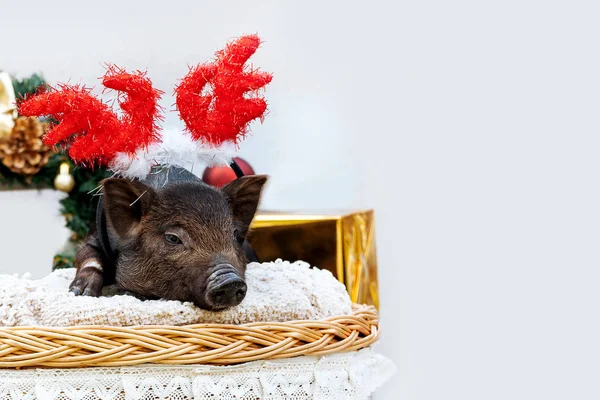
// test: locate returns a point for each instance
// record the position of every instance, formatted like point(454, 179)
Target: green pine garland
point(29, 85)
point(79, 207)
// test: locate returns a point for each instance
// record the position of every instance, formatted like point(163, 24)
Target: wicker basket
point(219, 344)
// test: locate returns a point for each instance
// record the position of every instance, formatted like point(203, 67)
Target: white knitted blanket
point(279, 291)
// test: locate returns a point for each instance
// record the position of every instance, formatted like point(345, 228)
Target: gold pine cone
point(23, 151)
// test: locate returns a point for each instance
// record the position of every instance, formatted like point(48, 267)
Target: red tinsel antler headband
point(225, 114)
point(93, 132)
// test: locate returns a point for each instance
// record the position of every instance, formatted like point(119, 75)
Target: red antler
point(93, 130)
point(226, 113)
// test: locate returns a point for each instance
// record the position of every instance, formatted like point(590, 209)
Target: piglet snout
point(225, 287)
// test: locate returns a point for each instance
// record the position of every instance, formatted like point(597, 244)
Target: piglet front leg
point(89, 278)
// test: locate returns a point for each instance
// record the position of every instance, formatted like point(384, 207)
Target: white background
point(470, 126)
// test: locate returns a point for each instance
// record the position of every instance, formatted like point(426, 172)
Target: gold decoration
point(23, 151)
point(64, 181)
point(342, 243)
point(8, 110)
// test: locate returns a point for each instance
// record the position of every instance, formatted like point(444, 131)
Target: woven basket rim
point(207, 343)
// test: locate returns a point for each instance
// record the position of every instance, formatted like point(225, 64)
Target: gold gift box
point(343, 243)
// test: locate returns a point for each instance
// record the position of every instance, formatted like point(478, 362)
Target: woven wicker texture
point(84, 346)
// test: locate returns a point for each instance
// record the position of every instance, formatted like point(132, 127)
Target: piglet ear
point(125, 203)
point(243, 196)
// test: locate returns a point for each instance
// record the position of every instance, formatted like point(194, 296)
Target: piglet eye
point(172, 239)
point(238, 237)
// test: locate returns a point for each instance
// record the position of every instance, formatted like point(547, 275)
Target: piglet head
point(183, 241)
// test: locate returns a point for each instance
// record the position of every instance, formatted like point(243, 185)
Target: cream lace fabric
point(344, 376)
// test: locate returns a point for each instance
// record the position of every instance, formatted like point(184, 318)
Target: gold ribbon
point(8, 108)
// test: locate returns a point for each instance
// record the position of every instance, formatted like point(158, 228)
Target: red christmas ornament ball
point(222, 175)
